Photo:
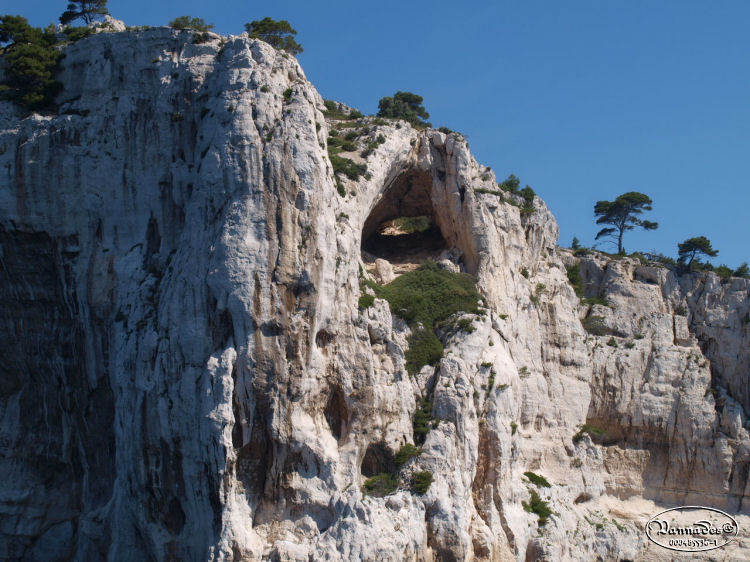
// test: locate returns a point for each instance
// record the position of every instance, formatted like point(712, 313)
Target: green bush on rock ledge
point(421, 481)
point(380, 485)
point(424, 298)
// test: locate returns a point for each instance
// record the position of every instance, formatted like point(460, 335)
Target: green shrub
point(742, 271)
point(513, 428)
point(612, 342)
point(406, 106)
point(406, 453)
point(428, 296)
point(724, 272)
point(510, 184)
point(528, 194)
point(539, 506)
point(539, 481)
point(525, 272)
point(348, 167)
point(340, 187)
point(187, 22)
point(332, 111)
point(423, 420)
point(599, 299)
point(593, 431)
point(575, 279)
point(380, 485)
point(420, 481)
point(410, 225)
point(424, 349)
point(466, 325)
point(366, 301)
point(595, 325)
point(680, 311)
point(288, 95)
point(77, 33)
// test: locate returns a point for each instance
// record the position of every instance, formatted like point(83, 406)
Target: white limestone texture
point(187, 374)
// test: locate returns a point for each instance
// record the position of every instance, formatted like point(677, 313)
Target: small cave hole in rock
point(378, 459)
point(403, 227)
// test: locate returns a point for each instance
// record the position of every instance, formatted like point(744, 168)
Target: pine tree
point(87, 10)
point(278, 34)
point(691, 247)
point(622, 214)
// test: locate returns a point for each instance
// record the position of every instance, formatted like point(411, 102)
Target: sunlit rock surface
point(186, 373)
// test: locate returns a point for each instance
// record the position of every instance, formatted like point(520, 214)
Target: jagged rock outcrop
point(188, 376)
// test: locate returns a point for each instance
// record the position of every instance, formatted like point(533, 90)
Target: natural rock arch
point(411, 194)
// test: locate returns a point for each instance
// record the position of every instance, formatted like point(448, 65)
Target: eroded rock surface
point(187, 372)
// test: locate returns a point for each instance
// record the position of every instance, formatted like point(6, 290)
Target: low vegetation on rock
point(424, 297)
point(538, 506)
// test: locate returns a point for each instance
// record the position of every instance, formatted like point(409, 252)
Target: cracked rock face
point(187, 372)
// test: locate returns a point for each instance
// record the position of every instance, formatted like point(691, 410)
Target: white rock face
point(187, 372)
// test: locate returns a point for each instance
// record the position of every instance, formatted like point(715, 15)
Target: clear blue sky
point(582, 99)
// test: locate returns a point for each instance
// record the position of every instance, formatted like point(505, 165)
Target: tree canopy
point(279, 34)
point(691, 247)
point(87, 10)
point(406, 106)
point(622, 214)
point(31, 63)
point(187, 22)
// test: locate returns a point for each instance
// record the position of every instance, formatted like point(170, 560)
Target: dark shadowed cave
point(403, 227)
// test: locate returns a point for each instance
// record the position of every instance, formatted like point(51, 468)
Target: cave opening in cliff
point(403, 228)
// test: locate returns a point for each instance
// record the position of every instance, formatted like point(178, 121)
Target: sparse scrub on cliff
point(77, 33)
point(595, 325)
point(405, 454)
point(380, 485)
point(406, 106)
point(333, 111)
point(366, 301)
point(510, 184)
point(421, 481)
point(538, 506)
point(537, 480)
point(591, 430)
point(423, 421)
point(347, 167)
point(575, 279)
point(424, 298)
point(187, 22)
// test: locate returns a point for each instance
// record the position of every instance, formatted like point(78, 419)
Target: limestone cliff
point(187, 375)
